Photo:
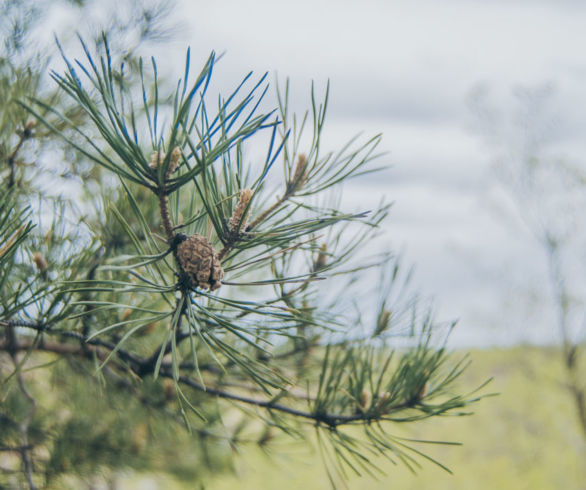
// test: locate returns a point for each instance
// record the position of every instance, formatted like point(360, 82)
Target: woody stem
point(165, 215)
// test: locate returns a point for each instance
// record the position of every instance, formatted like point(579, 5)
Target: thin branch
point(330, 419)
point(11, 159)
point(265, 214)
point(15, 449)
point(144, 366)
point(166, 216)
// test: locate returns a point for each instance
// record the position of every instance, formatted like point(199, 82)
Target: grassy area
point(526, 438)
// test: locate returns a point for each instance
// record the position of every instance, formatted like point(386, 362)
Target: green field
point(525, 438)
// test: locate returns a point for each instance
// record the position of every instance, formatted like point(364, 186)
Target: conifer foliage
point(193, 300)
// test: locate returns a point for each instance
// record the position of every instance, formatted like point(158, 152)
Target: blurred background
point(481, 106)
point(466, 94)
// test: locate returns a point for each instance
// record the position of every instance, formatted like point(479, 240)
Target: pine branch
point(150, 307)
point(143, 366)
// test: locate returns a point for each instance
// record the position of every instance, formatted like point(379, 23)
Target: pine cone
point(199, 262)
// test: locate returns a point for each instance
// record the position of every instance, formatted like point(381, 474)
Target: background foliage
point(515, 440)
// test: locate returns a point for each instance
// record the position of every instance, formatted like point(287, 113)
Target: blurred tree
point(159, 293)
point(547, 190)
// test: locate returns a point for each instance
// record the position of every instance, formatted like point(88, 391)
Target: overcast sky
point(407, 69)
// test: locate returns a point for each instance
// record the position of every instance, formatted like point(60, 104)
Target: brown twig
point(144, 366)
point(166, 215)
point(25, 134)
point(157, 161)
point(15, 449)
point(265, 214)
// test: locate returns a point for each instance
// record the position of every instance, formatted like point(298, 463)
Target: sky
point(410, 69)
point(462, 91)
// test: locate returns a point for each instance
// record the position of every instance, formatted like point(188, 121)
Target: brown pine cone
point(199, 261)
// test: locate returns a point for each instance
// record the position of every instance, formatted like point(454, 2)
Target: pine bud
point(28, 129)
point(320, 262)
point(365, 399)
point(237, 221)
point(40, 262)
point(299, 175)
point(424, 390)
point(158, 157)
point(126, 314)
point(383, 398)
point(8, 243)
point(168, 389)
point(382, 322)
point(149, 329)
point(199, 261)
point(174, 159)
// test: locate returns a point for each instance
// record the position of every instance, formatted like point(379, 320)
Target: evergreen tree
point(174, 299)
